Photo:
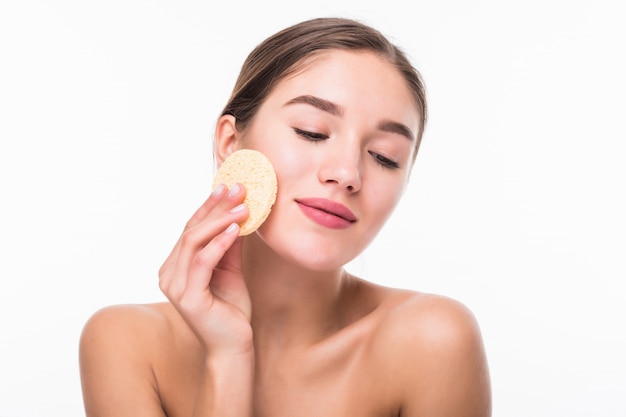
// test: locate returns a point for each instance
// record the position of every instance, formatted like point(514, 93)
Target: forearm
point(226, 389)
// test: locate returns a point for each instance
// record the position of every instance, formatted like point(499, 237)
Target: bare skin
point(400, 354)
point(271, 324)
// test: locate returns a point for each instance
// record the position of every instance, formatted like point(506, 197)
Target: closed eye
point(384, 161)
point(312, 136)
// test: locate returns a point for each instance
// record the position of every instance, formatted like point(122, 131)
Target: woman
point(271, 324)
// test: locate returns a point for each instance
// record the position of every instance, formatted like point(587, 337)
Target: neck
point(291, 306)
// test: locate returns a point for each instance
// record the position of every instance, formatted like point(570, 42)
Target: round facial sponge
point(255, 172)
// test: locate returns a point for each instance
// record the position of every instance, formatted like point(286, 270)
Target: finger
point(207, 206)
point(192, 244)
point(231, 261)
point(200, 213)
point(218, 198)
point(227, 281)
point(228, 209)
point(205, 261)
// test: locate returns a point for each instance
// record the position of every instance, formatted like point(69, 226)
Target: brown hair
point(278, 56)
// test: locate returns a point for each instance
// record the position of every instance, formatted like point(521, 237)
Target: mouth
point(327, 213)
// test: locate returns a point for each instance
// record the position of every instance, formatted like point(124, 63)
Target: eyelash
point(318, 137)
point(312, 136)
point(384, 161)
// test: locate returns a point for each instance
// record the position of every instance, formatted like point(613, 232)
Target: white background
point(516, 205)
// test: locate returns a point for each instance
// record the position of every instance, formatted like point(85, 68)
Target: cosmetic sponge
point(255, 172)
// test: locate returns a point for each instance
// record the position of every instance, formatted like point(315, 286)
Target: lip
point(327, 213)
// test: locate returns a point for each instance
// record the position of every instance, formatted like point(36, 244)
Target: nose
point(342, 168)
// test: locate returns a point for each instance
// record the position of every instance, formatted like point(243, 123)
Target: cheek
point(290, 164)
point(385, 198)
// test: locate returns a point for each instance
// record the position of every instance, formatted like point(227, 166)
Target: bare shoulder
point(419, 318)
point(140, 334)
point(432, 346)
point(120, 318)
point(424, 319)
point(126, 328)
point(120, 346)
point(159, 314)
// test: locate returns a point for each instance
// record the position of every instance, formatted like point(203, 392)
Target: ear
point(226, 138)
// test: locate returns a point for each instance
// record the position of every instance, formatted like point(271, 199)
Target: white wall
point(516, 206)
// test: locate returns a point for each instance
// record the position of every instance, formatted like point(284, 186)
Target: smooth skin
point(271, 324)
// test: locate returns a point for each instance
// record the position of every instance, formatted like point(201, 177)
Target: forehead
point(359, 80)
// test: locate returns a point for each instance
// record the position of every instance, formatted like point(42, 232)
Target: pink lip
point(326, 212)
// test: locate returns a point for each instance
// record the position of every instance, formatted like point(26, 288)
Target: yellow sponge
point(255, 172)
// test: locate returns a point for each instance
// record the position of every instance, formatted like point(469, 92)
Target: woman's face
point(340, 133)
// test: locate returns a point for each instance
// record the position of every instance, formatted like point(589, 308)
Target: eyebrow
point(319, 103)
point(336, 110)
point(395, 127)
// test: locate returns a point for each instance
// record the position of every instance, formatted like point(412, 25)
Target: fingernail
point(238, 209)
point(233, 190)
point(233, 228)
point(219, 190)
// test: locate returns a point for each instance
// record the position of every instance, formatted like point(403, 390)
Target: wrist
point(227, 385)
point(239, 359)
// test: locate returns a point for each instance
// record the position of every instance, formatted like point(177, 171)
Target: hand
point(203, 278)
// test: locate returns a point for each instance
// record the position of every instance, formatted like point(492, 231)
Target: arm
point(118, 349)
point(117, 379)
point(226, 387)
point(449, 376)
point(202, 278)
